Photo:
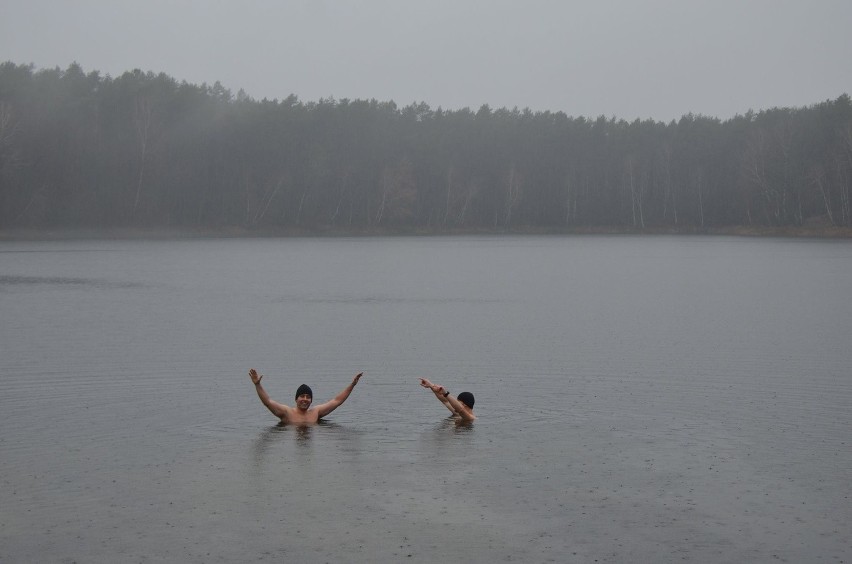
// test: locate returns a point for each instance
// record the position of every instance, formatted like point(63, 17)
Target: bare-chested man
point(461, 407)
point(303, 412)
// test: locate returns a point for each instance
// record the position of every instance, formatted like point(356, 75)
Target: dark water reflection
point(638, 399)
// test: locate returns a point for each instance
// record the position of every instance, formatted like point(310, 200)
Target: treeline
point(82, 150)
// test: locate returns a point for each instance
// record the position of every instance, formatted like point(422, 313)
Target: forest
point(80, 150)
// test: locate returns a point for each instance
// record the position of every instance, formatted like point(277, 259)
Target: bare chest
point(297, 416)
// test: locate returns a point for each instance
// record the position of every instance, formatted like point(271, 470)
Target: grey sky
point(653, 59)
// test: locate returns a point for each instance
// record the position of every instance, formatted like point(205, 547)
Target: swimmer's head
point(304, 389)
point(466, 398)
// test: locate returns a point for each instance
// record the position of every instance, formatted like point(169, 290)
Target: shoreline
point(151, 233)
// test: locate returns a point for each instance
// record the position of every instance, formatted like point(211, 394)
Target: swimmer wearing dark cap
point(303, 412)
point(460, 406)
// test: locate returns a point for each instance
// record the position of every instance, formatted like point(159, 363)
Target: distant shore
point(825, 232)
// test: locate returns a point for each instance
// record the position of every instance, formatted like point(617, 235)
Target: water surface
point(652, 399)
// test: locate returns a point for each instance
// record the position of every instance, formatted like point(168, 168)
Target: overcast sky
point(654, 59)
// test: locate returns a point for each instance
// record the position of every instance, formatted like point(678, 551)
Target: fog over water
point(639, 399)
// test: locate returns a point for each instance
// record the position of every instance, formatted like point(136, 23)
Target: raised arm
point(277, 409)
point(329, 406)
point(458, 407)
point(427, 384)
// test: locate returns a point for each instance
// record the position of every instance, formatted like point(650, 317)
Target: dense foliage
point(85, 150)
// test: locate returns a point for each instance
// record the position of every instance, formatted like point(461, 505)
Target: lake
point(639, 399)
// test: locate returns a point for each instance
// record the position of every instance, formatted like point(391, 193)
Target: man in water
point(303, 412)
point(461, 407)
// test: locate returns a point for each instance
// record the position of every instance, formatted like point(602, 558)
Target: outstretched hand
point(435, 388)
point(356, 378)
point(439, 392)
point(255, 377)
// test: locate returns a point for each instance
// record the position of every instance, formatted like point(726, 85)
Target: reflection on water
point(277, 439)
point(455, 425)
point(303, 434)
point(638, 399)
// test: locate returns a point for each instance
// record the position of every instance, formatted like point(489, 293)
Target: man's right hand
point(255, 377)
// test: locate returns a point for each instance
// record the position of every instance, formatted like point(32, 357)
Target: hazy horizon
point(658, 59)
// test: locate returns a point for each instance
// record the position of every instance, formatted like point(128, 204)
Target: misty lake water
point(639, 399)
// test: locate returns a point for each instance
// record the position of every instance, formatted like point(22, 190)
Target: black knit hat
point(466, 398)
point(304, 389)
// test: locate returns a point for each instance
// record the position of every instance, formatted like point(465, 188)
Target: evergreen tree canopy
point(143, 150)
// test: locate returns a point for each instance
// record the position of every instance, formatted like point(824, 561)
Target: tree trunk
point(142, 120)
